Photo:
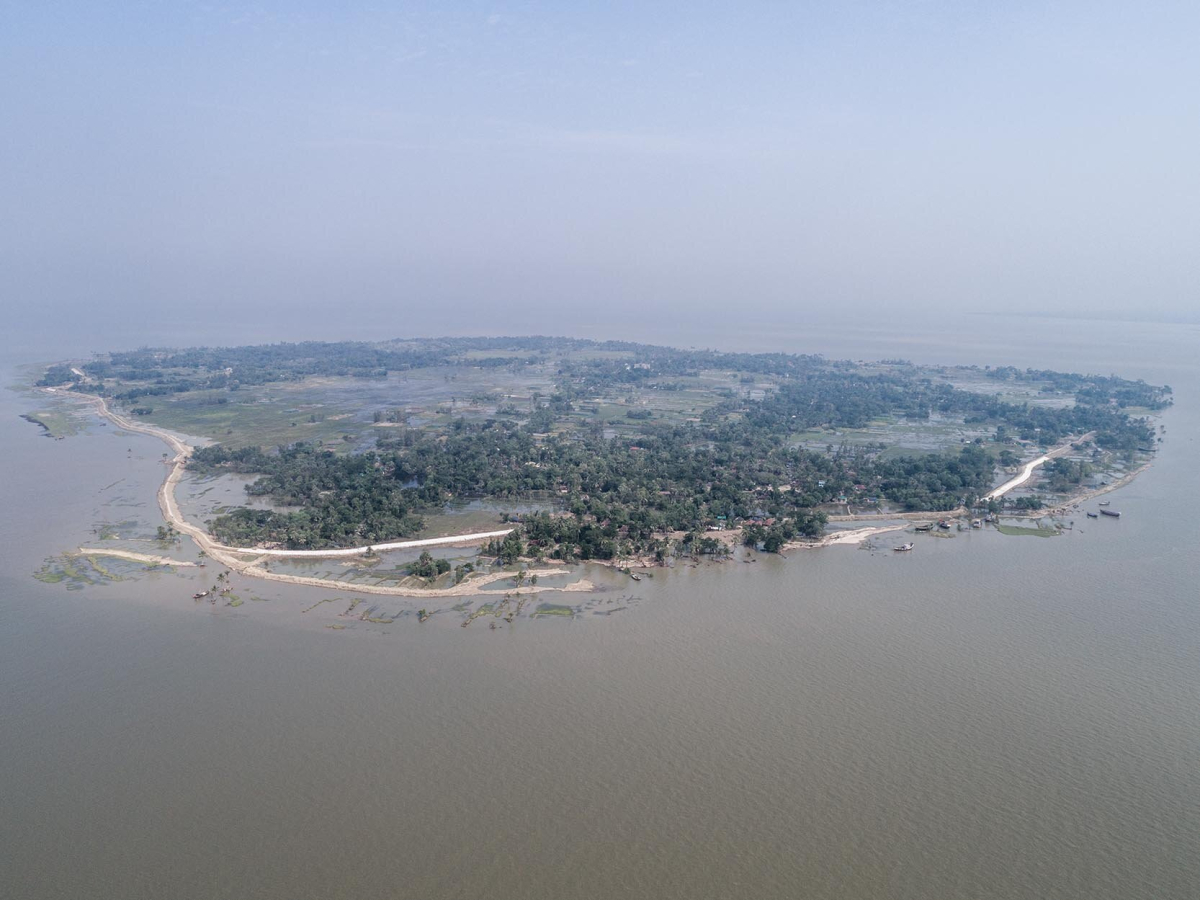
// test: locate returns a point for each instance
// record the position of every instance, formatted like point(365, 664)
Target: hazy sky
point(539, 162)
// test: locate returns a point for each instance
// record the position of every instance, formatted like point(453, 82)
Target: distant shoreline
point(1081, 317)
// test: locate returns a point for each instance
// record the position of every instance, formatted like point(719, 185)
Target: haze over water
point(990, 716)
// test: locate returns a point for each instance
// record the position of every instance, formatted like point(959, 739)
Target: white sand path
point(1027, 469)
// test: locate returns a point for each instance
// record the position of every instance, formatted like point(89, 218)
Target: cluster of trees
point(57, 375)
point(428, 567)
point(621, 494)
point(772, 537)
point(337, 501)
point(849, 400)
point(1063, 475)
point(1092, 390)
point(508, 549)
point(934, 481)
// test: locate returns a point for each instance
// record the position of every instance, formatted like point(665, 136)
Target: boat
point(635, 576)
point(1093, 515)
point(903, 548)
point(926, 527)
point(200, 596)
point(976, 523)
point(1110, 512)
point(944, 524)
point(1105, 502)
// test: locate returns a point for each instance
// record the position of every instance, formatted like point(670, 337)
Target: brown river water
point(988, 717)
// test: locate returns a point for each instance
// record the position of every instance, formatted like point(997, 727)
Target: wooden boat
point(903, 548)
point(1105, 502)
point(926, 527)
point(1093, 515)
point(1110, 512)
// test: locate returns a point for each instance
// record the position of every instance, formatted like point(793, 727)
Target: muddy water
point(989, 716)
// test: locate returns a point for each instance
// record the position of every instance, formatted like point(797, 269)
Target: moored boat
point(1093, 515)
point(903, 548)
point(1110, 512)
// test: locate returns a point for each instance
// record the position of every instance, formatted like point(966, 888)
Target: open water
point(987, 717)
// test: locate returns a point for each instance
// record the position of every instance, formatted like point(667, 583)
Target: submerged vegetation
point(1018, 530)
point(628, 449)
point(79, 570)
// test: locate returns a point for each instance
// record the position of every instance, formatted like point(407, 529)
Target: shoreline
point(232, 557)
point(1071, 504)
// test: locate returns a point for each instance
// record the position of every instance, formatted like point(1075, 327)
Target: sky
point(334, 169)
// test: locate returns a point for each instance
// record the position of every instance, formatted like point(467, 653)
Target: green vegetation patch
point(75, 571)
point(319, 602)
point(1032, 532)
point(55, 423)
point(111, 531)
point(553, 609)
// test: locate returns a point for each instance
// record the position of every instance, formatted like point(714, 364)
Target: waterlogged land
point(552, 451)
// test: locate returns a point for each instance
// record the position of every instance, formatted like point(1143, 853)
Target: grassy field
point(267, 421)
point(58, 421)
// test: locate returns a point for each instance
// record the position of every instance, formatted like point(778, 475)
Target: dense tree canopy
point(737, 461)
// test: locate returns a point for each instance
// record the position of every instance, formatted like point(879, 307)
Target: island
point(547, 451)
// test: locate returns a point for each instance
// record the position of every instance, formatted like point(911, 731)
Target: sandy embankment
point(466, 588)
point(854, 536)
point(136, 557)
